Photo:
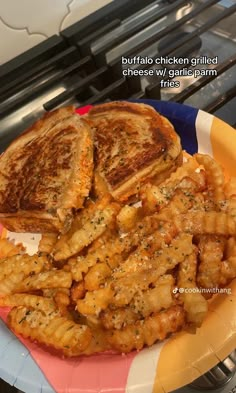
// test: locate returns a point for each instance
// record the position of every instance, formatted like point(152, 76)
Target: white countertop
point(26, 23)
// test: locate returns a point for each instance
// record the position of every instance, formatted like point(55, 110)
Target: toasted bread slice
point(134, 144)
point(46, 173)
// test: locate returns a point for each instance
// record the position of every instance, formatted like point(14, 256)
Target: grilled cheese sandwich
point(133, 144)
point(46, 173)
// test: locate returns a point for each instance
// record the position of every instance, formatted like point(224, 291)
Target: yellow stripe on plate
point(186, 356)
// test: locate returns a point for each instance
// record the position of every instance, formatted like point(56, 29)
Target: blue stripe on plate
point(183, 117)
point(17, 366)
point(31, 379)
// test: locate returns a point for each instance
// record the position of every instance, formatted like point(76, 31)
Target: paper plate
point(165, 366)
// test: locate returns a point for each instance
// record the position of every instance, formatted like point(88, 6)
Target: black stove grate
point(118, 9)
point(154, 16)
point(78, 64)
point(221, 101)
point(200, 83)
point(174, 27)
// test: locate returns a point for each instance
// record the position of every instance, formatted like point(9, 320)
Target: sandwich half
point(133, 144)
point(46, 173)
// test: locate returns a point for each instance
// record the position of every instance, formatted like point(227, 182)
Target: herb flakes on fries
point(109, 282)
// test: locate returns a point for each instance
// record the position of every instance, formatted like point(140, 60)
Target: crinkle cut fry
point(147, 331)
point(228, 266)
point(83, 216)
point(77, 291)
point(51, 330)
point(154, 299)
point(230, 249)
point(51, 292)
point(231, 206)
point(95, 301)
point(8, 248)
point(25, 264)
point(153, 253)
point(195, 304)
point(118, 318)
point(47, 242)
point(215, 175)
point(112, 253)
point(212, 222)
point(211, 251)
point(98, 343)
point(154, 198)
point(108, 252)
point(117, 284)
point(143, 304)
point(180, 203)
point(91, 230)
point(14, 269)
point(148, 245)
point(126, 286)
point(41, 303)
point(228, 270)
point(186, 169)
point(98, 273)
point(51, 279)
point(135, 277)
point(230, 194)
point(127, 218)
point(8, 285)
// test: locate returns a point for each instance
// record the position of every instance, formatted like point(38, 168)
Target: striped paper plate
point(165, 366)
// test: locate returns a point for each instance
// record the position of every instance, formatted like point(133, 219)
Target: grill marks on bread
point(40, 182)
point(47, 172)
point(125, 148)
point(130, 138)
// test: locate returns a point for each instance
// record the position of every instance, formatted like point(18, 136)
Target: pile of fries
point(109, 283)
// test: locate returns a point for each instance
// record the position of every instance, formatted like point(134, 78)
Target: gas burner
point(218, 376)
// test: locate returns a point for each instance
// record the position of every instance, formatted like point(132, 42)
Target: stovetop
point(83, 66)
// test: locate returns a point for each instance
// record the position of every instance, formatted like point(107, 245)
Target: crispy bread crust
point(133, 143)
point(25, 223)
point(46, 172)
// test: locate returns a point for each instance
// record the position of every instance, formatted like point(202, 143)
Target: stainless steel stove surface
point(83, 66)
